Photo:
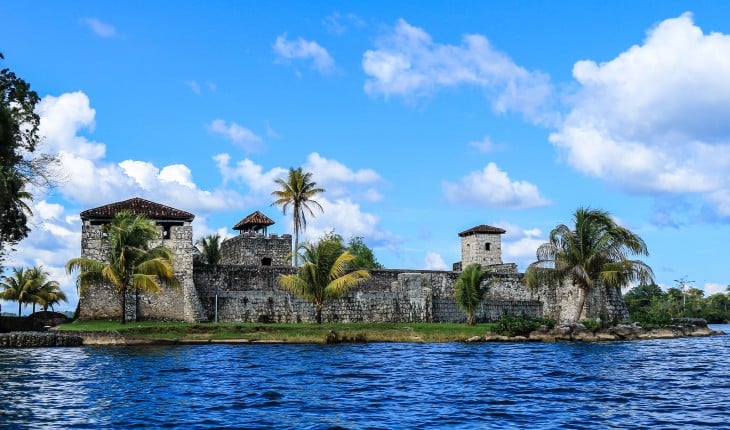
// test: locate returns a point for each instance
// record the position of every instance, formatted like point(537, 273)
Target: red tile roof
point(256, 219)
point(482, 229)
point(137, 206)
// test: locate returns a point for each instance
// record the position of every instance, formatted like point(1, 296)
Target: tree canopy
point(20, 163)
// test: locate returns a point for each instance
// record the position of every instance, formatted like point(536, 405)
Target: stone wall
point(173, 304)
point(257, 250)
point(252, 294)
point(482, 248)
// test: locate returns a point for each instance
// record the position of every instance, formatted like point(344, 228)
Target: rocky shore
point(33, 339)
point(686, 327)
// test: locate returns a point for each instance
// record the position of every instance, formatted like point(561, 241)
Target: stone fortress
point(245, 287)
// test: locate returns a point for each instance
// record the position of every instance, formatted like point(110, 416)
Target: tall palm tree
point(130, 264)
point(324, 274)
point(210, 247)
point(594, 252)
point(18, 287)
point(298, 192)
point(468, 290)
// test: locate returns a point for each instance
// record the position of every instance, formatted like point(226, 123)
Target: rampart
point(256, 250)
point(253, 294)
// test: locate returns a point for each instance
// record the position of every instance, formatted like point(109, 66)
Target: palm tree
point(594, 252)
point(47, 292)
point(468, 290)
point(298, 192)
point(210, 247)
point(18, 287)
point(324, 274)
point(130, 264)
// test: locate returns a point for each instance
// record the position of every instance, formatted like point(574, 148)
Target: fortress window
point(266, 261)
point(487, 246)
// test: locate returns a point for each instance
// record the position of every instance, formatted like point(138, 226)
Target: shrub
point(515, 326)
point(591, 325)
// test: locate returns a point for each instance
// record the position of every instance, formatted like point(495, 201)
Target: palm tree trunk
point(123, 319)
point(318, 314)
point(582, 303)
point(19, 305)
point(296, 248)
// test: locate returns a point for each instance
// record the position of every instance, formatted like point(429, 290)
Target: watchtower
point(481, 244)
point(254, 246)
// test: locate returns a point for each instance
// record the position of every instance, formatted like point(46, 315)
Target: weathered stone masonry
point(247, 287)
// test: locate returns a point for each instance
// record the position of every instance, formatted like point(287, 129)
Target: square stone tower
point(481, 244)
point(174, 232)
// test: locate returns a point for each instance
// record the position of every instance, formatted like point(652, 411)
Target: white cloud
point(434, 261)
point(337, 178)
point(62, 118)
point(485, 145)
point(250, 174)
point(194, 86)
point(520, 246)
point(653, 119)
point(100, 28)
point(409, 64)
point(337, 23)
point(711, 288)
point(238, 134)
point(492, 187)
point(302, 49)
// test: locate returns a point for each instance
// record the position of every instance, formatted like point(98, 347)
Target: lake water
point(678, 383)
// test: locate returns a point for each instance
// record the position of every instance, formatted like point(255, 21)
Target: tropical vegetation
point(364, 257)
point(31, 287)
point(298, 192)
point(469, 290)
point(130, 264)
point(652, 306)
point(20, 163)
point(324, 274)
point(210, 248)
point(595, 251)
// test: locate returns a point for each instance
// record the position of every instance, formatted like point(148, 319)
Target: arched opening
point(266, 261)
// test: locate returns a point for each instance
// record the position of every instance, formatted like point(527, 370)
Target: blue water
point(679, 383)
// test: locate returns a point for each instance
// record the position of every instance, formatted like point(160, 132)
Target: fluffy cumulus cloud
point(654, 119)
point(520, 245)
point(339, 179)
point(307, 50)
point(408, 63)
point(711, 288)
point(434, 261)
point(492, 187)
point(238, 134)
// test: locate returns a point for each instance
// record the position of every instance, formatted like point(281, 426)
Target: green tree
point(20, 163)
point(595, 251)
point(469, 291)
point(323, 275)
point(46, 292)
point(297, 192)
point(364, 256)
point(210, 247)
point(130, 264)
point(18, 287)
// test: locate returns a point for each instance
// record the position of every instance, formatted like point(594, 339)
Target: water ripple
point(680, 383)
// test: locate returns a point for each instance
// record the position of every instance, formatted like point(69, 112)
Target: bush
point(514, 326)
point(591, 325)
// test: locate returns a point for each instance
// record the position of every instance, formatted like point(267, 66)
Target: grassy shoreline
point(285, 332)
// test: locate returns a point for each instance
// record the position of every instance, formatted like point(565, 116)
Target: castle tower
point(175, 232)
point(253, 246)
point(481, 244)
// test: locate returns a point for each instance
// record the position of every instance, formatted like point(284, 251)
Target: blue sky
point(421, 119)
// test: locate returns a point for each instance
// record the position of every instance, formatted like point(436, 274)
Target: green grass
point(304, 333)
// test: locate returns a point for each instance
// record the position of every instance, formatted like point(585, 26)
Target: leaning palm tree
point(130, 264)
point(298, 192)
point(468, 290)
point(210, 247)
point(18, 287)
point(595, 252)
point(324, 274)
